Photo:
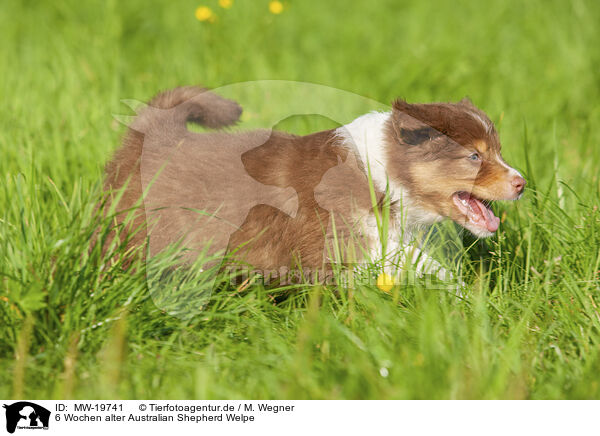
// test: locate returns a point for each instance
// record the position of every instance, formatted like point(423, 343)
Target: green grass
point(531, 325)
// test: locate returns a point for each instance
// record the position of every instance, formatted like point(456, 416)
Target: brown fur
point(165, 115)
point(436, 158)
point(274, 194)
point(180, 172)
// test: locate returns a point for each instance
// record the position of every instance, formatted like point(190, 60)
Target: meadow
point(529, 327)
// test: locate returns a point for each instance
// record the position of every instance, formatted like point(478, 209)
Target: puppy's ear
point(409, 123)
point(419, 135)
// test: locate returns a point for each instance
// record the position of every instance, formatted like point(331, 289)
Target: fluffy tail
point(189, 103)
point(166, 115)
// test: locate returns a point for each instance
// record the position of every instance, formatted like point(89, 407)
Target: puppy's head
point(447, 156)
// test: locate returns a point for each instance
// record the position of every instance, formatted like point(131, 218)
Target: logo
point(244, 185)
point(26, 415)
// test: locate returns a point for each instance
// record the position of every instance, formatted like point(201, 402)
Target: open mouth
point(478, 213)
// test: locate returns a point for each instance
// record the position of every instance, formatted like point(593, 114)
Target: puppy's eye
point(474, 157)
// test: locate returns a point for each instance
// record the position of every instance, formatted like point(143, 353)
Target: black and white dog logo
point(26, 415)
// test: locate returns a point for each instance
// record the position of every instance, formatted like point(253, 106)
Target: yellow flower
point(385, 282)
point(204, 13)
point(276, 7)
point(226, 4)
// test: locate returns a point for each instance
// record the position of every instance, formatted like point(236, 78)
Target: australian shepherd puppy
point(275, 200)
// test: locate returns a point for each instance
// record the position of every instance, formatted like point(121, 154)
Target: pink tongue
point(483, 213)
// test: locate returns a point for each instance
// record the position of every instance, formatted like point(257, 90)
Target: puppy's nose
point(518, 183)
